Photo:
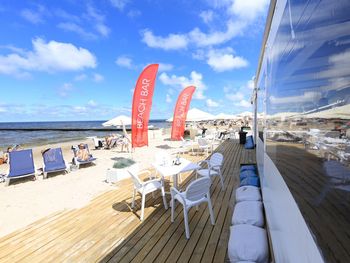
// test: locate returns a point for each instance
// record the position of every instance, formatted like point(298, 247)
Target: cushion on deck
point(248, 193)
point(248, 243)
point(249, 143)
point(251, 180)
point(248, 167)
point(246, 174)
point(248, 212)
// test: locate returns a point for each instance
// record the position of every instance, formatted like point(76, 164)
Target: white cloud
point(124, 61)
point(234, 96)
point(170, 42)
point(60, 13)
point(224, 60)
point(165, 67)
point(216, 37)
point(308, 96)
point(196, 79)
point(50, 57)
point(65, 89)
point(168, 98)
point(92, 103)
point(80, 77)
point(119, 4)
point(98, 77)
point(98, 21)
point(75, 28)
point(79, 109)
point(240, 96)
point(207, 16)
point(102, 29)
point(91, 25)
point(211, 103)
point(243, 103)
point(196, 37)
point(34, 16)
point(235, 16)
point(134, 13)
point(248, 9)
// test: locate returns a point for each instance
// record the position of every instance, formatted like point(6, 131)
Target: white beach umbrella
point(224, 116)
point(118, 121)
point(197, 115)
point(246, 114)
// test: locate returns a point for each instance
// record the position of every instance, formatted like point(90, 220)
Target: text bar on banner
point(180, 113)
point(141, 105)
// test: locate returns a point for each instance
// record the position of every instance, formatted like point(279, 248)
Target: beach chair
point(99, 143)
point(204, 145)
point(21, 165)
point(213, 167)
point(78, 161)
point(145, 188)
point(53, 161)
point(196, 193)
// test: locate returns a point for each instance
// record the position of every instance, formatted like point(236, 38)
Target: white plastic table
point(173, 170)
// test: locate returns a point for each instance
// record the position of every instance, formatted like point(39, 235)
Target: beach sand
point(25, 200)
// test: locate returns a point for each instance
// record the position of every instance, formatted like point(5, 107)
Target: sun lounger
point(53, 161)
point(21, 165)
point(78, 161)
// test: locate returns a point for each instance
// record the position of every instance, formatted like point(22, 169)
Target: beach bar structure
point(302, 130)
point(301, 137)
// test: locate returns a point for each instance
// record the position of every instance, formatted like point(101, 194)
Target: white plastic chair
point(185, 145)
point(204, 145)
point(196, 193)
point(213, 167)
point(145, 188)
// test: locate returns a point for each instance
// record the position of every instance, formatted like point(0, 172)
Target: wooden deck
point(107, 230)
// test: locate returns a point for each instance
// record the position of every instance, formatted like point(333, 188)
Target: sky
point(80, 60)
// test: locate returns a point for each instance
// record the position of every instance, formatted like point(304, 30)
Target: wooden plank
point(102, 231)
point(196, 236)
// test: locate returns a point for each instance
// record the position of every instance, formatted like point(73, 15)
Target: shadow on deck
point(107, 230)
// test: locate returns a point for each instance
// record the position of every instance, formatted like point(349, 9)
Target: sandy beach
point(26, 200)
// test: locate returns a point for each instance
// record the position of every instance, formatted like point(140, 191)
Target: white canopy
point(197, 115)
point(245, 113)
point(224, 116)
point(118, 121)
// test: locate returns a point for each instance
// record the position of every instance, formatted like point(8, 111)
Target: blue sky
point(79, 60)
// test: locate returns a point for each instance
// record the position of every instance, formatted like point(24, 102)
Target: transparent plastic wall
point(304, 107)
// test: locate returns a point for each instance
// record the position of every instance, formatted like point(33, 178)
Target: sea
point(41, 133)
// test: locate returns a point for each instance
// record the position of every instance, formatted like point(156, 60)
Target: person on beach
point(225, 132)
point(6, 154)
point(83, 153)
point(110, 140)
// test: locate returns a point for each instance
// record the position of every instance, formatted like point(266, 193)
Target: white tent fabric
point(118, 121)
point(224, 116)
point(197, 115)
point(245, 113)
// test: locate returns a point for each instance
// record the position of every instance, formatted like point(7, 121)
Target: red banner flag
point(141, 105)
point(180, 113)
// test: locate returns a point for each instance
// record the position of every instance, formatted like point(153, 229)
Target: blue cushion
point(249, 145)
point(247, 173)
point(251, 167)
point(252, 180)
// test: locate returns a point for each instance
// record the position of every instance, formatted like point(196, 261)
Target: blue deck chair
point(78, 161)
point(21, 165)
point(53, 161)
